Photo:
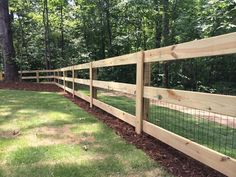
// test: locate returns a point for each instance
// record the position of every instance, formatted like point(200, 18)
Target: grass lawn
point(208, 133)
point(44, 134)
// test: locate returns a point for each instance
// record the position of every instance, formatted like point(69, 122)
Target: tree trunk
point(6, 40)
point(165, 39)
point(46, 35)
point(109, 29)
point(158, 25)
point(62, 30)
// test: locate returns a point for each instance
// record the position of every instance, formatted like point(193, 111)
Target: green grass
point(53, 137)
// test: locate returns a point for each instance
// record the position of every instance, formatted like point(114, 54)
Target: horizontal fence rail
point(146, 98)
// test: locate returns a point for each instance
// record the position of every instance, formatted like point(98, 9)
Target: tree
point(46, 35)
point(6, 40)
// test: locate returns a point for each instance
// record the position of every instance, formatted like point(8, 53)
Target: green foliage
point(96, 29)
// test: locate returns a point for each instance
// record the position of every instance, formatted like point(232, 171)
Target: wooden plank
point(221, 104)
point(82, 96)
point(69, 79)
point(46, 77)
point(139, 93)
point(219, 45)
point(81, 66)
point(33, 71)
point(117, 61)
point(69, 90)
point(116, 86)
point(29, 77)
point(45, 71)
point(68, 68)
point(126, 117)
point(82, 81)
point(203, 154)
point(40, 71)
point(59, 77)
point(59, 85)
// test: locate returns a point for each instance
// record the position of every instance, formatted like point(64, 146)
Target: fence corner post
point(139, 92)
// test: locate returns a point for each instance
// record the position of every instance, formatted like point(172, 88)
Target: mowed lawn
point(44, 134)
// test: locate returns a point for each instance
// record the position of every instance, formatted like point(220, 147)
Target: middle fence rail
point(181, 119)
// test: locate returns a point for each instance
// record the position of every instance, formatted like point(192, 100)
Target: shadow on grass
point(108, 167)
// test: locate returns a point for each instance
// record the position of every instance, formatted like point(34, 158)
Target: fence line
point(226, 105)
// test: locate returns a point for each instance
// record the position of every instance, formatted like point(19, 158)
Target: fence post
point(1, 76)
point(58, 75)
point(139, 92)
point(20, 75)
point(91, 84)
point(94, 74)
point(73, 81)
point(147, 82)
point(54, 76)
point(64, 81)
point(37, 76)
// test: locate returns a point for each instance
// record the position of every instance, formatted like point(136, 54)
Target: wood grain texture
point(126, 117)
point(115, 86)
point(219, 45)
point(221, 104)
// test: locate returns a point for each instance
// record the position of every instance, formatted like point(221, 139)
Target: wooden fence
point(215, 103)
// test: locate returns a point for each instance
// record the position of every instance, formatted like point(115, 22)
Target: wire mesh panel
point(122, 101)
point(215, 131)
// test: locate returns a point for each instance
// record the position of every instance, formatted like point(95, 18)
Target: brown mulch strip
point(171, 159)
point(29, 86)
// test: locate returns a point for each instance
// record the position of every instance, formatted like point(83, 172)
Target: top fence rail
point(219, 45)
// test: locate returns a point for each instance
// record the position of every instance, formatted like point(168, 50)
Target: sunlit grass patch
point(47, 135)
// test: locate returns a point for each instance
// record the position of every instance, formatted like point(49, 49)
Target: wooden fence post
point(147, 82)
point(20, 75)
point(37, 76)
point(64, 82)
point(94, 76)
point(91, 84)
point(54, 76)
point(139, 92)
point(73, 81)
point(59, 75)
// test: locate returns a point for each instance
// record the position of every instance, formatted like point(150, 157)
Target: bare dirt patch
point(10, 133)
point(57, 135)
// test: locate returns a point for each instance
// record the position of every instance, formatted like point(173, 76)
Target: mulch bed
point(171, 159)
point(29, 86)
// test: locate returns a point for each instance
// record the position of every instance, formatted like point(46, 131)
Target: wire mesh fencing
point(215, 131)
